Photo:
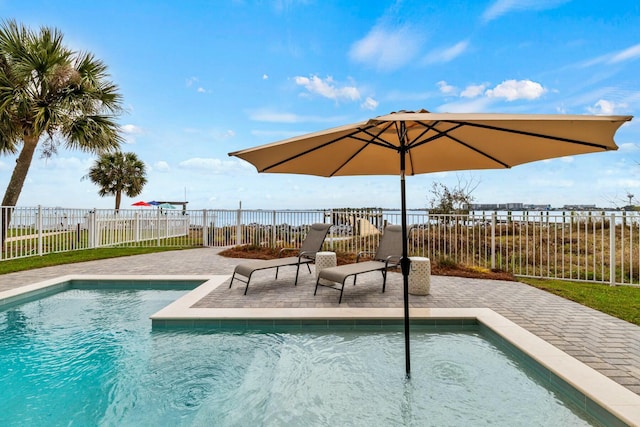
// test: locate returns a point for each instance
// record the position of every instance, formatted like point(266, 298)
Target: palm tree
point(117, 173)
point(53, 95)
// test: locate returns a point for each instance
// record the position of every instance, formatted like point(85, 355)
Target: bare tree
point(451, 200)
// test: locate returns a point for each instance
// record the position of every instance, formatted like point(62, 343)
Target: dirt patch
point(257, 252)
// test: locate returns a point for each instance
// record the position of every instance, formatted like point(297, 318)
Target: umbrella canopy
point(140, 203)
point(409, 143)
point(436, 142)
point(166, 206)
point(154, 203)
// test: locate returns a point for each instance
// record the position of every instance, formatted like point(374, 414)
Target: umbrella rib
point(442, 134)
point(537, 135)
point(380, 141)
point(335, 171)
point(367, 142)
point(311, 150)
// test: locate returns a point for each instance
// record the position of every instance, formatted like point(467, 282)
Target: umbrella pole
point(405, 264)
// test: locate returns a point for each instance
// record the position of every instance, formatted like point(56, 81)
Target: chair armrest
point(307, 254)
point(390, 258)
point(363, 253)
point(286, 249)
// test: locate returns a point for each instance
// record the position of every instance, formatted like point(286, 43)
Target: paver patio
point(605, 343)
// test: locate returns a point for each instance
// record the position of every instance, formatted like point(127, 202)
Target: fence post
point(493, 240)
point(238, 225)
point(167, 230)
point(158, 225)
point(91, 229)
point(273, 231)
point(612, 250)
point(136, 227)
point(39, 229)
point(205, 228)
point(331, 228)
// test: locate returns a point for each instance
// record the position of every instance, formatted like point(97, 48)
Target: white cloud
point(628, 147)
point(130, 132)
point(270, 116)
point(214, 166)
point(446, 88)
point(473, 91)
point(65, 163)
point(386, 49)
point(476, 105)
point(276, 134)
point(131, 129)
point(369, 104)
point(502, 7)
point(328, 88)
point(605, 108)
point(161, 166)
point(265, 77)
point(447, 54)
point(512, 90)
point(627, 54)
point(191, 81)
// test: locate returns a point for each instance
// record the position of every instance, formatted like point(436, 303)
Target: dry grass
point(437, 268)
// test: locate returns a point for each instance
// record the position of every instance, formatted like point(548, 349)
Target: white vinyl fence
point(582, 246)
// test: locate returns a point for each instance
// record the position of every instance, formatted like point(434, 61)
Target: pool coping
point(615, 398)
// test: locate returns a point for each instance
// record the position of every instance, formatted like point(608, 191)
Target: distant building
point(505, 207)
point(579, 207)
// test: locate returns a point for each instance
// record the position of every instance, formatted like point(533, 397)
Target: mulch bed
point(257, 252)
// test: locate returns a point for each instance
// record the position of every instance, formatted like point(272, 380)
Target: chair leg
point(341, 291)
point(309, 267)
point(297, 271)
point(277, 268)
point(247, 287)
point(232, 277)
point(384, 280)
point(317, 283)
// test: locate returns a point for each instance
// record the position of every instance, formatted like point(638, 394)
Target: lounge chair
point(387, 256)
point(306, 255)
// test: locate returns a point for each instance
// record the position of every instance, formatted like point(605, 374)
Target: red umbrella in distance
point(140, 203)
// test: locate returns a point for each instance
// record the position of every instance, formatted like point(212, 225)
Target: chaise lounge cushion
point(246, 268)
point(339, 274)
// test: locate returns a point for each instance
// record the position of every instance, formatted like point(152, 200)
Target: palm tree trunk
point(118, 198)
point(16, 183)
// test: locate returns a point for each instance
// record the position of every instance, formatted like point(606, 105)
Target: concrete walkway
point(605, 343)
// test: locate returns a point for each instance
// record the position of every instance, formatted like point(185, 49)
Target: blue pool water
point(90, 357)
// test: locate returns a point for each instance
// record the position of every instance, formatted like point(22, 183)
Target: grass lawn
point(29, 263)
point(622, 302)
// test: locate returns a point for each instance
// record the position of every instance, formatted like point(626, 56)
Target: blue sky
point(203, 78)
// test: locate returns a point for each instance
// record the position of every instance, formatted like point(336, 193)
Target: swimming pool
point(90, 357)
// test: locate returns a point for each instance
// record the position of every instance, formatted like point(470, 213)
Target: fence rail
point(582, 246)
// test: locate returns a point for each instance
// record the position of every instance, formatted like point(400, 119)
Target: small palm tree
point(118, 173)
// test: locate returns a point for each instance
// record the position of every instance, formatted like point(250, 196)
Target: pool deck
point(606, 344)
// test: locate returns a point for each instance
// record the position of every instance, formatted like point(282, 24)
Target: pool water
point(90, 357)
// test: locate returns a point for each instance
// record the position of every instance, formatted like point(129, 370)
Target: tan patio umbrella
point(409, 143)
